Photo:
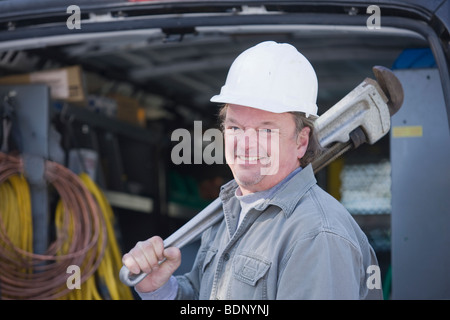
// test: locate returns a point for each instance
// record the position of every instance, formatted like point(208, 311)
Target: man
point(282, 237)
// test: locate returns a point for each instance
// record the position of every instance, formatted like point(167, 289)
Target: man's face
point(261, 147)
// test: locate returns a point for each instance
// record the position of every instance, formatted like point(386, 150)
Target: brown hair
point(314, 149)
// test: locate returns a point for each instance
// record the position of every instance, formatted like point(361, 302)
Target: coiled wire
point(81, 238)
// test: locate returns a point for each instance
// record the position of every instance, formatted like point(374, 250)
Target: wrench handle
point(130, 279)
point(183, 236)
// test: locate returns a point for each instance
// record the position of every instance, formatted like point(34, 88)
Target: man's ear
point(302, 142)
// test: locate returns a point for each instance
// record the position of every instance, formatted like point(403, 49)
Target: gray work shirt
point(299, 243)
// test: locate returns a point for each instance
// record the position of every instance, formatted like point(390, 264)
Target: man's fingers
point(173, 256)
point(158, 245)
point(172, 253)
point(129, 262)
point(145, 256)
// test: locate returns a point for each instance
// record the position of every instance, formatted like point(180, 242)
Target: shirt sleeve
point(167, 292)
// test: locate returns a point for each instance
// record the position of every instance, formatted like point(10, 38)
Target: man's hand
point(146, 257)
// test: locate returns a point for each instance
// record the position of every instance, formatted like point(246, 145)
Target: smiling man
point(282, 237)
point(261, 147)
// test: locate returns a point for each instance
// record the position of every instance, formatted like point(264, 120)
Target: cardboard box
point(129, 110)
point(65, 83)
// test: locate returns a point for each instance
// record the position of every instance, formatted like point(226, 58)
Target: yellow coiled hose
point(15, 210)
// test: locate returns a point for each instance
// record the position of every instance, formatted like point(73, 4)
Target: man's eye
point(234, 128)
point(265, 130)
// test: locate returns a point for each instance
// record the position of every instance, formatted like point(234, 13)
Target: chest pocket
point(249, 268)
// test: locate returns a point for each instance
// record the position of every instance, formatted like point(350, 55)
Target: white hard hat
point(273, 77)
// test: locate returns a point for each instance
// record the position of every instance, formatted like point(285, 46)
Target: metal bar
point(183, 236)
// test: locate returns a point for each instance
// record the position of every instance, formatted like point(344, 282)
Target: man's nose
point(249, 140)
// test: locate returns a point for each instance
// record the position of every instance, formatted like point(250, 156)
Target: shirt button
point(226, 256)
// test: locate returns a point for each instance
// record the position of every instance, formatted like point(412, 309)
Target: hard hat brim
point(266, 106)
